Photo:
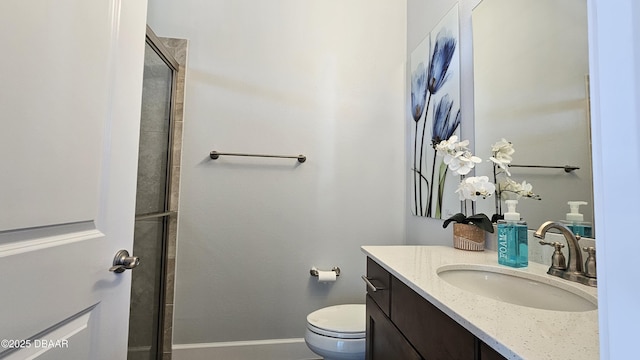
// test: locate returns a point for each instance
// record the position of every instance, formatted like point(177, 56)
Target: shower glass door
point(147, 289)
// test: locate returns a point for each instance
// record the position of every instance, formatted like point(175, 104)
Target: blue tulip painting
point(435, 116)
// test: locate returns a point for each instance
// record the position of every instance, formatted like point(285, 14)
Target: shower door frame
point(165, 55)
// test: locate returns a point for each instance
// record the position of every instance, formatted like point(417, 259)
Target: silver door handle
point(122, 261)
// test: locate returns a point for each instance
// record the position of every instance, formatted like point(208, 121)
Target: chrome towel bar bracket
point(216, 154)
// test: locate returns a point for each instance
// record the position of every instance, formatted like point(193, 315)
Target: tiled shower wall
point(178, 48)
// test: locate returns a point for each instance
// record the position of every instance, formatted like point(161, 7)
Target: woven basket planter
point(468, 237)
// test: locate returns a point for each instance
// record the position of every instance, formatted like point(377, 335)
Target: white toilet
point(337, 332)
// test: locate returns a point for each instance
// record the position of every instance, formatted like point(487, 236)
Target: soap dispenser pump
point(575, 220)
point(513, 242)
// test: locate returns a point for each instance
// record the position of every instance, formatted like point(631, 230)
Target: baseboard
point(274, 349)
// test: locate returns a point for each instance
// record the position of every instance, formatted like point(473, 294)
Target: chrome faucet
point(574, 271)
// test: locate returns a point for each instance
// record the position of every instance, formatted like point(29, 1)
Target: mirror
point(531, 88)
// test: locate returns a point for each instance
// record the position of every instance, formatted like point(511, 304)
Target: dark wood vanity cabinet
point(487, 353)
point(384, 340)
point(403, 325)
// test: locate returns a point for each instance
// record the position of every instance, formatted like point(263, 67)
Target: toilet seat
point(339, 321)
point(335, 334)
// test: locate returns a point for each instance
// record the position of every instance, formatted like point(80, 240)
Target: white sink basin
point(519, 288)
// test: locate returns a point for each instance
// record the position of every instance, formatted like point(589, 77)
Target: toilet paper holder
point(314, 271)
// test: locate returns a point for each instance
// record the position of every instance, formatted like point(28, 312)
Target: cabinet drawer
point(487, 353)
point(381, 279)
point(433, 333)
point(384, 341)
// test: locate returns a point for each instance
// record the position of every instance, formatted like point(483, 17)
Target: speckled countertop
point(516, 332)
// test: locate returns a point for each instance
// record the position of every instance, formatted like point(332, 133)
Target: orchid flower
point(457, 156)
point(463, 162)
point(472, 187)
point(523, 189)
point(502, 151)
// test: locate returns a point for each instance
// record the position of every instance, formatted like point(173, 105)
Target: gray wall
point(286, 77)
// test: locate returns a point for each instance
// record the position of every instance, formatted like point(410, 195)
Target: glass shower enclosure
point(152, 204)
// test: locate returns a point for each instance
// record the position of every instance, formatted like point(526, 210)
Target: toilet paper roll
point(326, 276)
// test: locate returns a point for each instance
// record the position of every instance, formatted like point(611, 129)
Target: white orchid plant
point(507, 188)
point(457, 155)
point(460, 160)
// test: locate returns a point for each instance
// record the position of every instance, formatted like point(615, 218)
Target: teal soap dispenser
point(513, 242)
point(575, 220)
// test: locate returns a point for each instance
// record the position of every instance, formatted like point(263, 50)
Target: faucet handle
point(590, 263)
point(555, 244)
point(558, 261)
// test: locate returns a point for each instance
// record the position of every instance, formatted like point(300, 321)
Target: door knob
point(122, 261)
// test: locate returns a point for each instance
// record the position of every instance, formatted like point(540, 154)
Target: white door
point(70, 89)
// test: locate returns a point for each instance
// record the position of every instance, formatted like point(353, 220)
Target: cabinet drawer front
point(487, 353)
point(381, 278)
point(384, 341)
point(433, 333)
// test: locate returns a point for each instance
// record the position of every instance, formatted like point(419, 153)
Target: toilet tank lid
point(349, 318)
